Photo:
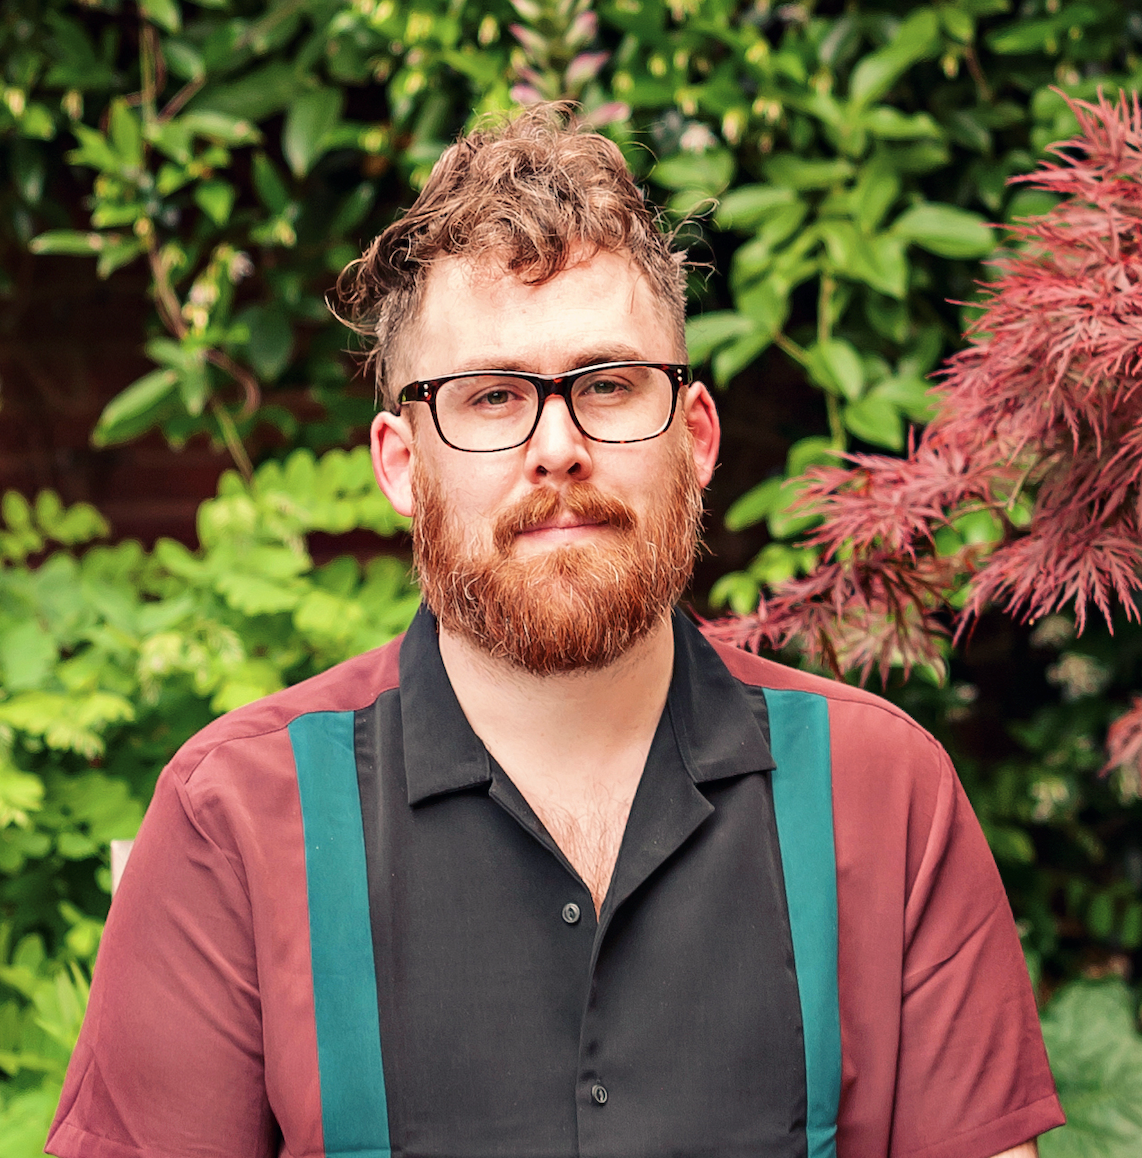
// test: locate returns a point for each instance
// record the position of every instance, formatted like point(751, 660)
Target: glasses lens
point(486, 412)
point(623, 403)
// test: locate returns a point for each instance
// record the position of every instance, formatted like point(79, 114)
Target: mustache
point(583, 500)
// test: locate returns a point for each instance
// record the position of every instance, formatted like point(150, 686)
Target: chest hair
point(589, 836)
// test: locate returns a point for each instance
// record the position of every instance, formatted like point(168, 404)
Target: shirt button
point(599, 1093)
point(571, 916)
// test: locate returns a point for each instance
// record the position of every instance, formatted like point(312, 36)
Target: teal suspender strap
point(354, 1113)
point(803, 802)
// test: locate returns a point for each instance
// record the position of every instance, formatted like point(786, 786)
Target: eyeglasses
point(488, 410)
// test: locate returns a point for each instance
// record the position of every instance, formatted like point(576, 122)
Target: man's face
point(561, 553)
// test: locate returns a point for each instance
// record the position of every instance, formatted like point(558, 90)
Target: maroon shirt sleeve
point(942, 1055)
point(969, 1027)
point(170, 1059)
point(199, 1039)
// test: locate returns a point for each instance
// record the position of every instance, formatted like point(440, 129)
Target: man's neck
point(574, 745)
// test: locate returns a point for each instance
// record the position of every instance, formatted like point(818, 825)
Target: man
point(552, 875)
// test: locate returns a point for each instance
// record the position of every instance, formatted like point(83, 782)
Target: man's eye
point(494, 398)
point(604, 387)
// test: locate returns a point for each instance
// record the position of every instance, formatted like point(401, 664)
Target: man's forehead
point(490, 274)
point(477, 313)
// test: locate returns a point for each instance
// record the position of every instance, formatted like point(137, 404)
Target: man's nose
point(558, 447)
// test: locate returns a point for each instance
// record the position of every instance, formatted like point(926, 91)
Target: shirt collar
point(719, 731)
point(441, 752)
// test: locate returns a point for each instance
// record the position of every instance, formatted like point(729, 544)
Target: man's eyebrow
point(619, 352)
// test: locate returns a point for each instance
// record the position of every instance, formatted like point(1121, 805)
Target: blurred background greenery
point(831, 167)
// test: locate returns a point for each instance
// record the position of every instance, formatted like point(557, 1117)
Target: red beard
point(574, 607)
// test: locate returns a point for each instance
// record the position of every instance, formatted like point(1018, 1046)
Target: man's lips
point(563, 523)
point(543, 515)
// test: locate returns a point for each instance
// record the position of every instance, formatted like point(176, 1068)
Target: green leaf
point(795, 173)
point(945, 230)
point(876, 420)
point(877, 187)
point(890, 319)
point(354, 209)
point(1096, 1057)
point(893, 125)
point(919, 157)
point(164, 13)
point(777, 562)
point(310, 120)
point(194, 388)
point(835, 366)
point(220, 127)
point(20, 794)
point(271, 188)
point(878, 261)
point(738, 589)
point(271, 340)
point(756, 504)
point(117, 252)
point(705, 333)
point(184, 59)
point(126, 133)
point(808, 452)
point(27, 655)
point(966, 127)
point(1027, 36)
point(37, 123)
point(748, 206)
point(131, 412)
point(17, 511)
point(708, 172)
point(1029, 203)
point(69, 241)
point(1130, 934)
point(782, 522)
point(215, 199)
point(94, 150)
point(255, 96)
point(958, 23)
point(911, 394)
point(757, 255)
point(979, 527)
point(729, 360)
point(1010, 844)
point(253, 595)
point(916, 39)
point(766, 306)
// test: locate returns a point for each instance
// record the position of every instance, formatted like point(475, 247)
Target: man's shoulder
point(856, 714)
point(356, 683)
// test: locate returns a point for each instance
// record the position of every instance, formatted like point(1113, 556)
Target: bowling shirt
point(343, 931)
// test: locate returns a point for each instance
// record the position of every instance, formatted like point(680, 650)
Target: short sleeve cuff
point(996, 1136)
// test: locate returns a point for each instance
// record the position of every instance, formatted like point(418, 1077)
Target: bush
point(111, 657)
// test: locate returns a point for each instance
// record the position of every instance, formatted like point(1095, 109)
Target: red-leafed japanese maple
point(1040, 415)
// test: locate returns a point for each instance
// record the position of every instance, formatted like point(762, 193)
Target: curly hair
point(536, 193)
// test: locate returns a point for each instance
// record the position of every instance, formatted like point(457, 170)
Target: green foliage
point(245, 151)
point(1096, 1055)
point(111, 657)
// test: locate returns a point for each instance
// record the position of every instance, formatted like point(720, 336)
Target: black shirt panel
point(513, 1025)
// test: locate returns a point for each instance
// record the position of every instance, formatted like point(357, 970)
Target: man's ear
point(702, 419)
point(390, 442)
